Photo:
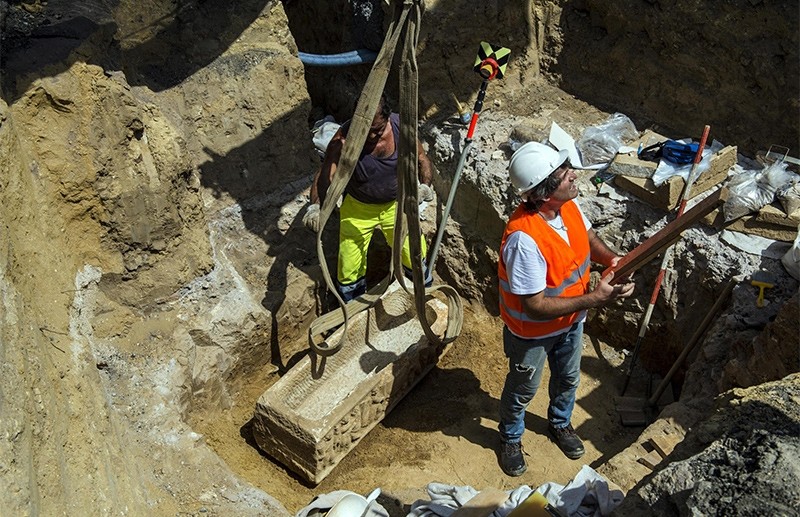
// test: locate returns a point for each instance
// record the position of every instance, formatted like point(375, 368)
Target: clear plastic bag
point(789, 196)
point(666, 169)
point(791, 260)
point(751, 190)
point(323, 132)
point(599, 144)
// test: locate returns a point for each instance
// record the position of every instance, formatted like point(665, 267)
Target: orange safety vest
point(567, 268)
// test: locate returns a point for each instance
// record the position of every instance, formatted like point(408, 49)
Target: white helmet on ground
point(532, 163)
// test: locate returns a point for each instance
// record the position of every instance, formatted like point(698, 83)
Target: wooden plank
point(664, 444)
point(650, 460)
point(631, 418)
point(632, 411)
point(630, 403)
point(665, 237)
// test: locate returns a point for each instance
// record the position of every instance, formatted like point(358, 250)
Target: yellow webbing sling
point(405, 22)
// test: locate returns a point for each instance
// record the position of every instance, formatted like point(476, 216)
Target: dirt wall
point(684, 64)
point(113, 195)
point(673, 65)
point(152, 248)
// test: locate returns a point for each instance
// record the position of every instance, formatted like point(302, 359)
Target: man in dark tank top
point(370, 196)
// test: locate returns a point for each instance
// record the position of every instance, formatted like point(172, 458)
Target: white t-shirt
point(525, 264)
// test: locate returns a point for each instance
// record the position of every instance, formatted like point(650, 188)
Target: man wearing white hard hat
point(543, 271)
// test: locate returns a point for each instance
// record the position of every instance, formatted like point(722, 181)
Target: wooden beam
point(650, 460)
point(664, 444)
point(665, 237)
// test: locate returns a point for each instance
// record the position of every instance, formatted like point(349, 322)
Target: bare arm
point(541, 307)
point(324, 176)
point(600, 252)
point(425, 168)
point(314, 188)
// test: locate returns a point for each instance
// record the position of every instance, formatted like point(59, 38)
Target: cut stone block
point(650, 459)
point(630, 165)
point(770, 222)
point(721, 163)
point(664, 444)
point(315, 414)
point(667, 195)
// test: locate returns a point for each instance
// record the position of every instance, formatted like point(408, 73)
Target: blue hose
point(354, 57)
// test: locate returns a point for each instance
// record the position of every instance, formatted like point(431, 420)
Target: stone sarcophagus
point(319, 410)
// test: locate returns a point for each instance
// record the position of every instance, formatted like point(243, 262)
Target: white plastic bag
point(599, 144)
point(666, 169)
point(789, 196)
point(322, 132)
point(791, 260)
point(749, 191)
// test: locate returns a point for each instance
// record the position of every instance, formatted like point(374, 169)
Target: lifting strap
point(405, 23)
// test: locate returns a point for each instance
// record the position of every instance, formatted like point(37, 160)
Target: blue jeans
point(525, 363)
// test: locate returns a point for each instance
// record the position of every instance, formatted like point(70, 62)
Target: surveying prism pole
point(490, 64)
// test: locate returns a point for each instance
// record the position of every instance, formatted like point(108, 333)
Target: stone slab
point(770, 222)
point(630, 165)
point(650, 459)
point(318, 412)
point(667, 195)
point(664, 444)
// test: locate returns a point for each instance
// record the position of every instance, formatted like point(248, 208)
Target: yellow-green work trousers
point(357, 221)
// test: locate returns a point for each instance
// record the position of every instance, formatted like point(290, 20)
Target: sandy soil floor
point(444, 431)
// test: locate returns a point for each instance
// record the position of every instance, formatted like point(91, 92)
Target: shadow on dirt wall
point(199, 32)
point(276, 174)
point(734, 67)
point(194, 33)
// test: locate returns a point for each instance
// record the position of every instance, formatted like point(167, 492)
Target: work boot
point(511, 459)
point(567, 441)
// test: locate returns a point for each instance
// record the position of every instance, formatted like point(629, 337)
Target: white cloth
point(323, 132)
point(446, 499)
point(791, 259)
point(588, 494)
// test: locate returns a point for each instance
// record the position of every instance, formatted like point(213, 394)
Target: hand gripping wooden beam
point(665, 237)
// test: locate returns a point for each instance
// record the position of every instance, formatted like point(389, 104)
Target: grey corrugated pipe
point(354, 57)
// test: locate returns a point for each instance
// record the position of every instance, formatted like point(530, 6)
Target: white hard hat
point(532, 163)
